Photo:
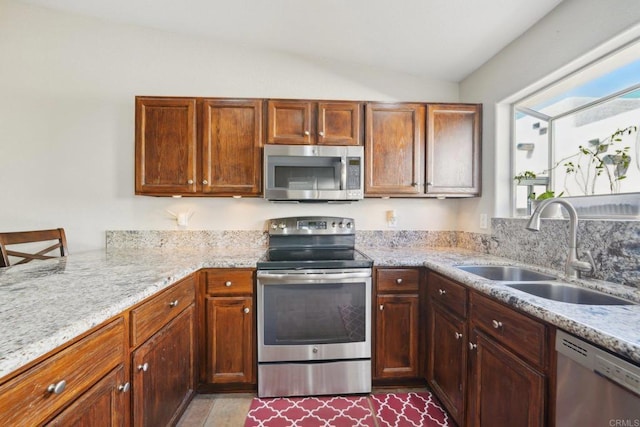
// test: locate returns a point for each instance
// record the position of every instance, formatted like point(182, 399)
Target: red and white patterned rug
point(378, 410)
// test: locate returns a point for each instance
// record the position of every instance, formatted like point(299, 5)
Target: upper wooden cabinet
point(453, 149)
point(193, 146)
point(408, 155)
point(394, 150)
point(312, 122)
point(166, 145)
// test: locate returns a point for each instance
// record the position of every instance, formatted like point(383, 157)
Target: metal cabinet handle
point(246, 310)
point(458, 335)
point(306, 133)
point(398, 281)
point(442, 291)
point(381, 307)
point(472, 346)
point(190, 181)
point(227, 283)
point(57, 388)
point(124, 387)
point(205, 182)
point(496, 324)
point(173, 303)
point(321, 133)
point(144, 367)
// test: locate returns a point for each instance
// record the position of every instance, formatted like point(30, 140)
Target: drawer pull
point(124, 387)
point(144, 367)
point(472, 346)
point(496, 324)
point(399, 281)
point(227, 283)
point(57, 388)
point(246, 310)
point(458, 335)
point(381, 307)
point(442, 291)
point(173, 303)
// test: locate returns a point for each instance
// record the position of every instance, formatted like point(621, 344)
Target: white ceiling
point(438, 39)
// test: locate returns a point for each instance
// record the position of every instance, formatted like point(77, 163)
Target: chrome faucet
point(573, 266)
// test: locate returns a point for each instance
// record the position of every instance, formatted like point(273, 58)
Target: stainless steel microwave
point(313, 172)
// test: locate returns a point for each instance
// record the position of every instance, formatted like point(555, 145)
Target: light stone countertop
point(47, 303)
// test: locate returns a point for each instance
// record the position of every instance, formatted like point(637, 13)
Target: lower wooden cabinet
point(488, 364)
point(397, 326)
point(163, 377)
point(228, 353)
point(79, 375)
point(105, 404)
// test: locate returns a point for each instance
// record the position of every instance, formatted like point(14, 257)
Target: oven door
point(314, 315)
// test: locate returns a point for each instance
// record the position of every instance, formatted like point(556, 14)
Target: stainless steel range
point(314, 309)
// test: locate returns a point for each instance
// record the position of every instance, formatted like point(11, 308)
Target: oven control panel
point(311, 225)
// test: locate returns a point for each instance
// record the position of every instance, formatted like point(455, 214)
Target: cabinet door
point(503, 389)
point(397, 337)
point(166, 145)
point(447, 362)
point(230, 340)
point(163, 372)
point(339, 123)
point(104, 404)
point(290, 122)
point(231, 147)
point(453, 149)
point(394, 149)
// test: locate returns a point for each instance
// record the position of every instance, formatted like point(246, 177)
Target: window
point(580, 136)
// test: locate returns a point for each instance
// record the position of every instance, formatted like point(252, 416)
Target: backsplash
point(614, 245)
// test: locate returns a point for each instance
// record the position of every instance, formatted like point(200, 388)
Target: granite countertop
point(48, 303)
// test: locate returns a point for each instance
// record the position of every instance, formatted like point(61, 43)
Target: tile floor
point(229, 409)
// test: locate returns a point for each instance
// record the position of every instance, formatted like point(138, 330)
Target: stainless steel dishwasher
point(594, 387)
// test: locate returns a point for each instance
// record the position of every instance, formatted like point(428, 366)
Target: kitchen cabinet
point(483, 353)
point(394, 150)
point(166, 146)
point(198, 146)
point(88, 375)
point(447, 339)
point(314, 122)
point(104, 404)
point(453, 149)
point(229, 333)
point(398, 333)
point(422, 150)
point(163, 365)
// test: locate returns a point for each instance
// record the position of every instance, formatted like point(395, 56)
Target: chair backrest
point(23, 237)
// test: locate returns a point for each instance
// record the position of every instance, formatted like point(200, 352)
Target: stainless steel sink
point(568, 293)
point(505, 273)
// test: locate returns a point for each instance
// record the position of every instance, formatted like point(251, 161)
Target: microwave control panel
point(354, 176)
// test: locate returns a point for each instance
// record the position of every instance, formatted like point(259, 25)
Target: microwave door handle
point(343, 174)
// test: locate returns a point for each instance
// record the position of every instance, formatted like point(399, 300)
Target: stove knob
point(282, 225)
point(349, 225)
point(341, 225)
point(274, 225)
point(333, 224)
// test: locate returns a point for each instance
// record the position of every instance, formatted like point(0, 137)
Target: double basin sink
point(542, 285)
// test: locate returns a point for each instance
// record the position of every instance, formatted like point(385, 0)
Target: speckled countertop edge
point(81, 291)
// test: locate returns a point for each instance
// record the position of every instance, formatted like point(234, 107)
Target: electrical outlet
point(484, 221)
point(392, 219)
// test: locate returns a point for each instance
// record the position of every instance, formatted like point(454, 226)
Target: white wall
point(572, 35)
point(67, 86)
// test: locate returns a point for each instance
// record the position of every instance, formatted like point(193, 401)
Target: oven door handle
point(300, 274)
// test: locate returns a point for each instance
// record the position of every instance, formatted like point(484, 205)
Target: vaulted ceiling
point(436, 39)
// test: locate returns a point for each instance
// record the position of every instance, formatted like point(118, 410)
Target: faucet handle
point(588, 267)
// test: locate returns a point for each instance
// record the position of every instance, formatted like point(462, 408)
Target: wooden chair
point(22, 237)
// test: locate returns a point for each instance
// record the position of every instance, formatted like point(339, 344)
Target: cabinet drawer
point(229, 281)
point(151, 315)
point(397, 279)
point(26, 400)
point(523, 335)
point(448, 293)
